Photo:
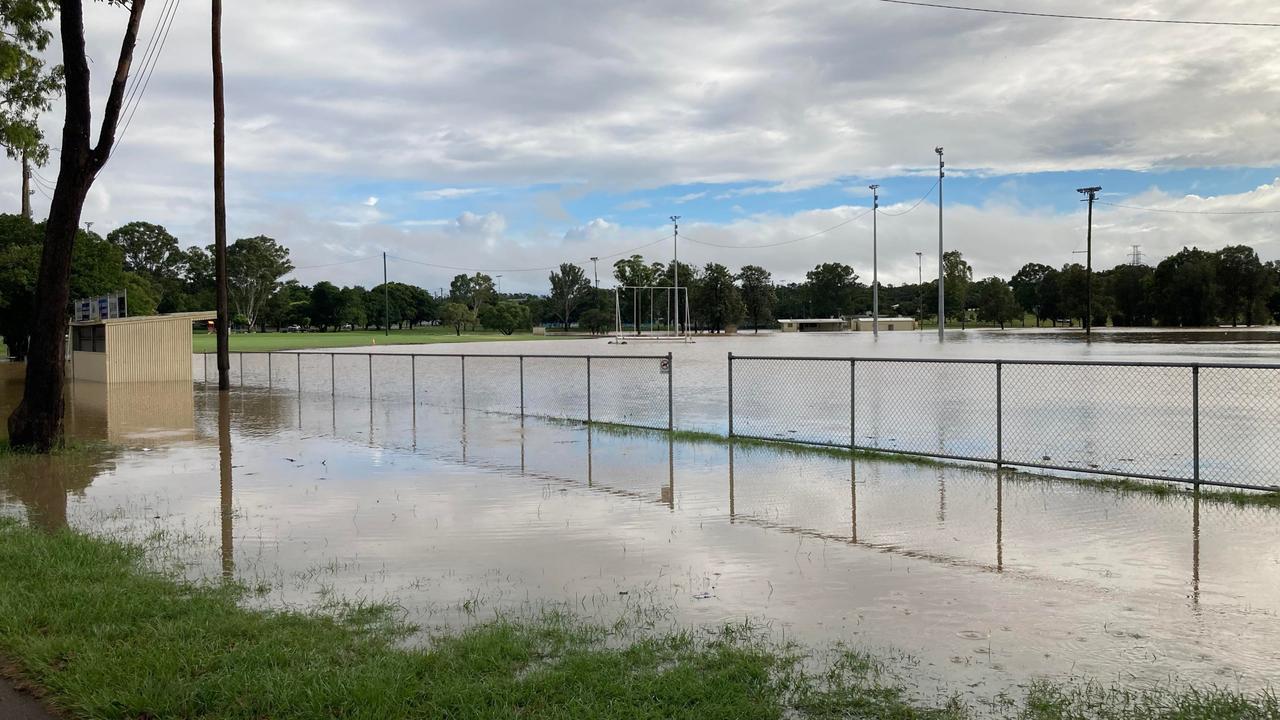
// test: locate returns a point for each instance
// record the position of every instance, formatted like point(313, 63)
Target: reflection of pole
point(999, 521)
point(731, 507)
point(589, 473)
point(671, 472)
point(853, 500)
point(1195, 548)
point(225, 485)
point(942, 496)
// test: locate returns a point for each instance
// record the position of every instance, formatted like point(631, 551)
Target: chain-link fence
point(634, 390)
point(1209, 423)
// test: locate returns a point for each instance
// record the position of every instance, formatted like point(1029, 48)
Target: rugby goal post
point(662, 309)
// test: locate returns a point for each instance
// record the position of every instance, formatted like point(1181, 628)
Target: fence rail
point(634, 390)
point(1199, 423)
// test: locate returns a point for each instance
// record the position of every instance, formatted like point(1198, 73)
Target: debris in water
point(702, 596)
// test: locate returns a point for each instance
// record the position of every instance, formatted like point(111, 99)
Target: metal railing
point(1199, 423)
point(634, 390)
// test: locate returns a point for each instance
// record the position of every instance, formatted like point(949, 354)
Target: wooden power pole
point(220, 205)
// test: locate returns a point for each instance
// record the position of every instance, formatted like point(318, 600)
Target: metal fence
point(634, 390)
point(1201, 423)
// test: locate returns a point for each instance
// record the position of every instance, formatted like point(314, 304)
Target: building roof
point(887, 319)
point(196, 316)
point(813, 320)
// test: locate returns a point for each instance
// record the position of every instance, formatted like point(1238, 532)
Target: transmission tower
point(1135, 256)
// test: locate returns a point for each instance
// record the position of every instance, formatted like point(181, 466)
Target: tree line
point(1190, 288)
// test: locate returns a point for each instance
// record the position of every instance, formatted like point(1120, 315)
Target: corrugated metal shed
point(150, 348)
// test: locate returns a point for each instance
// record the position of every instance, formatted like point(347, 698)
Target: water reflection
point(226, 491)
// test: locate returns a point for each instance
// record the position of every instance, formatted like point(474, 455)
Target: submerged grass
point(1154, 488)
point(85, 623)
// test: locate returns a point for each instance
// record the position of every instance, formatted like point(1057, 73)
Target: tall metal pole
point(595, 270)
point(675, 268)
point(222, 304)
point(920, 290)
point(1092, 194)
point(875, 267)
point(942, 291)
point(386, 296)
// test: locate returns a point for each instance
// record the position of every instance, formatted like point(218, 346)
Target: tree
point(719, 303)
point(831, 288)
point(148, 249)
point(326, 305)
point(1186, 289)
point(959, 276)
point(472, 291)
point(595, 320)
point(26, 86)
point(1130, 288)
point(1243, 283)
point(506, 317)
point(254, 268)
point(996, 302)
point(457, 316)
point(569, 287)
point(758, 295)
point(353, 308)
point(1026, 288)
point(37, 421)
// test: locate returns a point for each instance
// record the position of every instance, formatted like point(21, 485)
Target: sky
point(509, 137)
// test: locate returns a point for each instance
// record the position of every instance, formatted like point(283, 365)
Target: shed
point(149, 348)
point(814, 325)
point(887, 324)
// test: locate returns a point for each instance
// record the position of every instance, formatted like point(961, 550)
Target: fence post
point(588, 388)
point(670, 412)
point(463, 358)
point(206, 367)
point(853, 417)
point(730, 394)
point(241, 355)
point(522, 388)
point(1195, 420)
point(999, 414)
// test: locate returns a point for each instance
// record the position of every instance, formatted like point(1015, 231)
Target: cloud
point(450, 193)
point(637, 204)
point(371, 201)
point(689, 197)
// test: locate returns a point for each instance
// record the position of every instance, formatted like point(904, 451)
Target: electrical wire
point(783, 242)
point(140, 84)
point(913, 207)
point(527, 269)
point(1190, 212)
point(341, 262)
point(1066, 16)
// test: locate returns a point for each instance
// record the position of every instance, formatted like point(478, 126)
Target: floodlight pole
point(942, 292)
point(595, 271)
point(1092, 194)
point(386, 296)
point(675, 268)
point(920, 289)
point(875, 268)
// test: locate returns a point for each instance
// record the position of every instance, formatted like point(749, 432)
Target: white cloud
point(689, 197)
point(450, 193)
point(371, 201)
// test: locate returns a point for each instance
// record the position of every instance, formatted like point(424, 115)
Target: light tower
point(942, 292)
point(875, 270)
point(675, 267)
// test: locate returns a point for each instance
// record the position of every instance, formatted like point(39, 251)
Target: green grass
point(85, 624)
point(263, 342)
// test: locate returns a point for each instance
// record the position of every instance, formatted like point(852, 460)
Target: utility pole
point(942, 292)
point(498, 278)
point(26, 186)
point(386, 297)
point(875, 267)
point(223, 325)
point(920, 289)
point(1092, 194)
point(595, 271)
point(675, 268)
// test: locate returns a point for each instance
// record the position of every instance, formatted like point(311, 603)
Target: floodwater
point(978, 582)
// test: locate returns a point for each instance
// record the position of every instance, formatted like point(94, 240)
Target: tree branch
point(111, 116)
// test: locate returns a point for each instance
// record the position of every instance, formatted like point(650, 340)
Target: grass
point(86, 624)
point(1154, 488)
point(264, 342)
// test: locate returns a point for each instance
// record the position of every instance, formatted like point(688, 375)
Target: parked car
point(293, 328)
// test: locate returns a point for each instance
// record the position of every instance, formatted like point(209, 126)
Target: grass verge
point(273, 341)
point(87, 625)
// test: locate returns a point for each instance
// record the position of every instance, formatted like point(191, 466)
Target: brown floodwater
point(977, 583)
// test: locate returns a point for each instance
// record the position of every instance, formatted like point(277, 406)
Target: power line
point(140, 84)
point(457, 268)
point(913, 207)
point(784, 242)
point(1191, 212)
point(335, 264)
point(1066, 16)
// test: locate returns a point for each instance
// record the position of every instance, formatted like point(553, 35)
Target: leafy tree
point(148, 249)
point(19, 265)
point(1130, 289)
point(758, 295)
point(959, 276)
point(719, 303)
point(996, 302)
point(326, 305)
point(254, 268)
point(353, 309)
point(506, 317)
point(569, 288)
point(27, 87)
point(472, 291)
point(457, 316)
point(1187, 289)
point(1243, 283)
point(289, 305)
point(142, 297)
point(37, 421)
point(595, 320)
point(831, 290)
point(1026, 288)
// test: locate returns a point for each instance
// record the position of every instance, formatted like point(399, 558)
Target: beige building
point(814, 325)
point(887, 324)
point(150, 348)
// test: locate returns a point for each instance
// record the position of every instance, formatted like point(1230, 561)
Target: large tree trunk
point(37, 421)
